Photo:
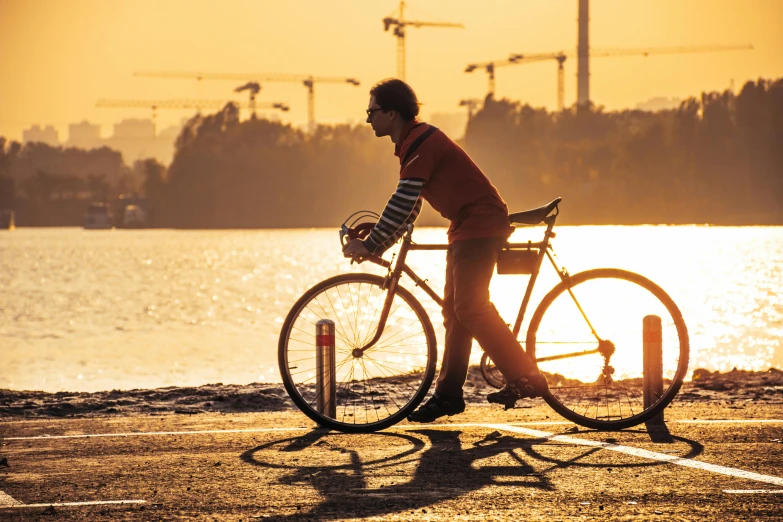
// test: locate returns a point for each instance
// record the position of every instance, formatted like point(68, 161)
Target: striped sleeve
point(402, 208)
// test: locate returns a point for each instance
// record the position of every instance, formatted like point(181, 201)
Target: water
point(120, 309)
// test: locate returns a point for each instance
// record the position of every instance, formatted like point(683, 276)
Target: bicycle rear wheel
point(595, 375)
point(373, 390)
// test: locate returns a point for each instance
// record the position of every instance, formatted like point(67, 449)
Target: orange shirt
point(455, 186)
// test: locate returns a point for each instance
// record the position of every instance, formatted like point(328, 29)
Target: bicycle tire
point(379, 388)
point(491, 373)
point(580, 399)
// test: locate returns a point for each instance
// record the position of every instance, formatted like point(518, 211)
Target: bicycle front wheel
point(587, 338)
point(371, 390)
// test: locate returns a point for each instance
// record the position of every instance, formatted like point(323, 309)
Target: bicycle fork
point(390, 285)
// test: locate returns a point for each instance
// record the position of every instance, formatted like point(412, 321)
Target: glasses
point(370, 111)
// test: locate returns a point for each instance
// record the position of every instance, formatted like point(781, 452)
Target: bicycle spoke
point(372, 390)
point(603, 386)
point(372, 393)
point(390, 375)
point(380, 384)
point(338, 332)
point(345, 385)
point(343, 333)
point(348, 320)
point(364, 381)
point(373, 350)
point(399, 340)
point(365, 308)
point(376, 309)
point(355, 307)
point(337, 367)
point(391, 397)
point(388, 324)
point(311, 343)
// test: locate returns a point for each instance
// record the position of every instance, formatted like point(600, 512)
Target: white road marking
point(751, 491)
point(7, 500)
point(63, 504)
point(207, 432)
point(729, 421)
point(638, 452)
point(415, 426)
point(146, 433)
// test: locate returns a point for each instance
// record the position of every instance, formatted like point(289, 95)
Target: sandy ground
point(243, 453)
point(486, 464)
point(735, 387)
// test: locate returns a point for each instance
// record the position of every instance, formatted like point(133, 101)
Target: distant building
point(84, 135)
point(659, 103)
point(135, 139)
point(134, 128)
point(46, 135)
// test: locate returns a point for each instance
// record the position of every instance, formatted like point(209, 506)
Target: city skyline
point(134, 138)
point(143, 138)
point(60, 58)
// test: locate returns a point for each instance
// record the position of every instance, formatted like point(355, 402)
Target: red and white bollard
point(325, 368)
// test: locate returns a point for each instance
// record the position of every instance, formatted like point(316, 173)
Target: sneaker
point(436, 407)
point(523, 388)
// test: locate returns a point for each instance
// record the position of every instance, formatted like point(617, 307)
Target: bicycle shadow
point(445, 470)
point(695, 449)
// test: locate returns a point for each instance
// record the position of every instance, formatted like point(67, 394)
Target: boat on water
point(7, 219)
point(98, 217)
point(134, 216)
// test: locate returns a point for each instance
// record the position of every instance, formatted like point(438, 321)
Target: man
point(436, 169)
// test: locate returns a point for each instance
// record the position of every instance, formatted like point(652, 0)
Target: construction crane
point(308, 81)
point(489, 67)
point(253, 88)
point(561, 56)
point(154, 105)
point(471, 104)
point(399, 25)
point(668, 50)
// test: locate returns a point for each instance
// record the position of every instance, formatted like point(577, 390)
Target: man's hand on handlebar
point(356, 250)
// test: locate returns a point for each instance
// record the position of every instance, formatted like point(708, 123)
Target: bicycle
point(384, 348)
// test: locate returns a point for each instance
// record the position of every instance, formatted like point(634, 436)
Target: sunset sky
point(60, 56)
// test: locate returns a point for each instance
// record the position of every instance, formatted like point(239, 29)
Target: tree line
point(717, 158)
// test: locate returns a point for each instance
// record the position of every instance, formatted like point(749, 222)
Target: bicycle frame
point(544, 248)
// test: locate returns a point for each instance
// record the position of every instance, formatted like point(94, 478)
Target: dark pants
point(468, 314)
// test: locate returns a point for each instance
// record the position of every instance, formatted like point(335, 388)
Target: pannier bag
point(517, 261)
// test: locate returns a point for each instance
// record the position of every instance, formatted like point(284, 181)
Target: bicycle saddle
point(534, 216)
